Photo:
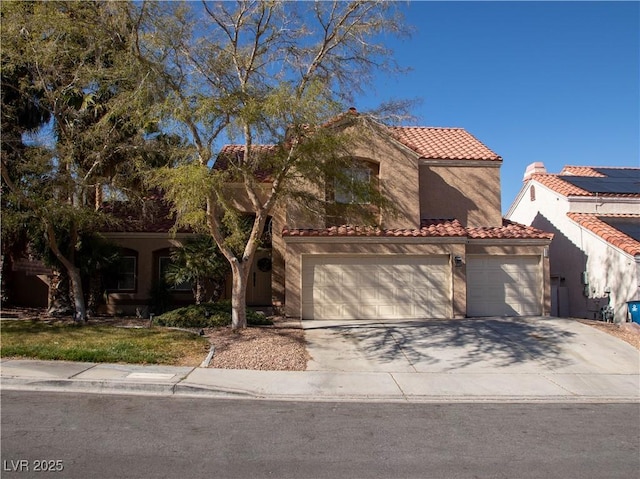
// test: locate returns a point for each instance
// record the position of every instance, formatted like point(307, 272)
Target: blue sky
point(557, 82)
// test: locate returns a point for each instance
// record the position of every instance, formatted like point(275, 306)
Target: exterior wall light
point(457, 260)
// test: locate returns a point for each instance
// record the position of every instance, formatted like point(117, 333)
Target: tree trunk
point(58, 303)
point(199, 294)
point(240, 275)
point(4, 268)
point(74, 275)
point(95, 293)
point(78, 295)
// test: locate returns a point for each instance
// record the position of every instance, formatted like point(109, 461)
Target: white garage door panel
point(375, 287)
point(503, 285)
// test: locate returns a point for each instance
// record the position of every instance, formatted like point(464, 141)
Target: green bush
point(206, 315)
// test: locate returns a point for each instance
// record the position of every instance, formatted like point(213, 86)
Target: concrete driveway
point(486, 345)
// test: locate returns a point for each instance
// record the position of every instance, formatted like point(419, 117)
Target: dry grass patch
point(61, 340)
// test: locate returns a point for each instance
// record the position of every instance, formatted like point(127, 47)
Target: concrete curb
point(214, 392)
point(91, 386)
point(187, 391)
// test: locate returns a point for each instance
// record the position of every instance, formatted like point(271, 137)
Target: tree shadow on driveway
point(446, 345)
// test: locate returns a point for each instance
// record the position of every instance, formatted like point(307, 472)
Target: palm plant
point(196, 262)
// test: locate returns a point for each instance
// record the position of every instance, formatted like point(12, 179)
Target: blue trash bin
point(634, 310)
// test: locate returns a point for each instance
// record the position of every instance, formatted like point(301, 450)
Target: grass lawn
point(100, 343)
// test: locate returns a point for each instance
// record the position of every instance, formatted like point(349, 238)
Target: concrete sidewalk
point(489, 359)
point(462, 386)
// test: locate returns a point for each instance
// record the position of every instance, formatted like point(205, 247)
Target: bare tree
point(258, 73)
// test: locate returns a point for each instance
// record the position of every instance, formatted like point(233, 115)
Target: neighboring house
point(145, 237)
point(445, 253)
point(27, 283)
point(594, 213)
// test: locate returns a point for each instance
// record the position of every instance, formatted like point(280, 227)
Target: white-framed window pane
point(127, 273)
point(344, 193)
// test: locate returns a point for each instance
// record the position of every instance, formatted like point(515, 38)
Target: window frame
point(118, 284)
point(342, 195)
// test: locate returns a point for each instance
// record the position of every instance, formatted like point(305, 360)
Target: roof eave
point(376, 239)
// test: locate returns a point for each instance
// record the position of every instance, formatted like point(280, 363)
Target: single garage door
point(375, 287)
point(503, 286)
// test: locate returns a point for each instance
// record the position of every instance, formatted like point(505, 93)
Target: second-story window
point(352, 187)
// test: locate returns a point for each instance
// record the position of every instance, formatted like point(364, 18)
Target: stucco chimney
point(532, 169)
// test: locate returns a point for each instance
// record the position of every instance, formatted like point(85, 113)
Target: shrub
point(206, 315)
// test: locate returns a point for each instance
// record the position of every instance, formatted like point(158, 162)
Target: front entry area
point(259, 287)
point(376, 287)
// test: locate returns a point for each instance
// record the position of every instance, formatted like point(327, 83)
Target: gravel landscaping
point(280, 347)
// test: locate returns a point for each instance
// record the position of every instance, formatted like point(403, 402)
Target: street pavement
point(488, 359)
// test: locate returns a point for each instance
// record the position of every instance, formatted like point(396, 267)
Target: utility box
point(634, 310)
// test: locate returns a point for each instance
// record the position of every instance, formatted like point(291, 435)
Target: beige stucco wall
point(470, 194)
point(278, 253)
point(145, 244)
point(295, 251)
point(575, 250)
point(239, 199)
point(398, 180)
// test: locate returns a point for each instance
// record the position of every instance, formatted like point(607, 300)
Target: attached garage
point(376, 287)
point(504, 285)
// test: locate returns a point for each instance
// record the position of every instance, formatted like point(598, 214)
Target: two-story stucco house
point(445, 253)
point(594, 213)
point(448, 253)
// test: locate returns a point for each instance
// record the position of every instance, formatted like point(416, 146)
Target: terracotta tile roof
point(452, 230)
point(596, 223)
point(443, 227)
point(508, 230)
point(153, 216)
point(581, 171)
point(443, 143)
point(428, 142)
point(431, 228)
point(30, 266)
point(232, 151)
point(558, 185)
point(565, 188)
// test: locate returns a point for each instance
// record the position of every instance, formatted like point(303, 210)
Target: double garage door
point(504, 286)
point(376, 287)
point(415, 287)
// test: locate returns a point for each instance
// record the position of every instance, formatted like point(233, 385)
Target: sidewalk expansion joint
point(82, 372)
